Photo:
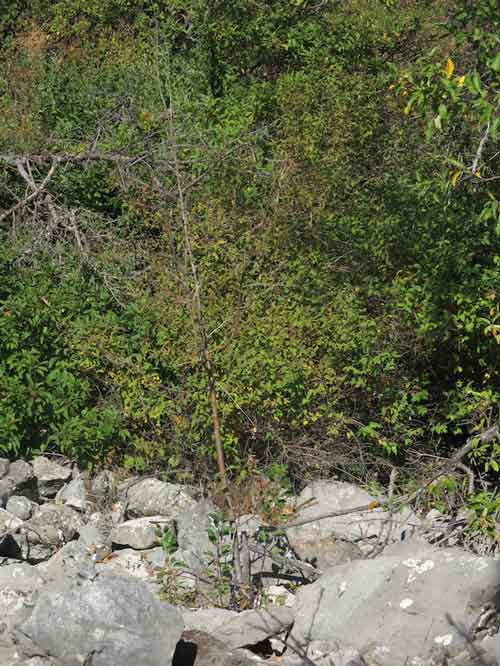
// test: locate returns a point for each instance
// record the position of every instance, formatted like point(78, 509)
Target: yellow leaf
point(455, 177)
point(449, 68)
point(477, 174)
point(461, 81)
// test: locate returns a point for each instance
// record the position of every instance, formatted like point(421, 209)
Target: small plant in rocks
point(173, 586)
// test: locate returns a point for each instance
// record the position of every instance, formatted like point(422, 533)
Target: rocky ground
point(107, 572)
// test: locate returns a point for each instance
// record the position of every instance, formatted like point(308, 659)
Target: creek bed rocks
point(87, 563)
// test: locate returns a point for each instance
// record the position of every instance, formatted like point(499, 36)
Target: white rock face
point(21, 507)
point(399, 603)
point(74, 494)
point(50, 476)
point(140, 533)
point(152, 497)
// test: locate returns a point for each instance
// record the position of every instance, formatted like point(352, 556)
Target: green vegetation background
point(340, 163)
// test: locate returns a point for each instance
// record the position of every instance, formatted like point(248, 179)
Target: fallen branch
point(392, 503)
point(35, 193)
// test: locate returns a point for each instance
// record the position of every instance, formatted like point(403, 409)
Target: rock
point(17, 569)
point(253, 626)
point(323, 497)
point(70, 560)
point(112, 620)
point(4, 467)
point(104, 488)
point(192, 534)
point(341, 656)
point(9, 534)
point(6, 490)
point(279, 595)
point(249, 524)
point(206, 620)
point(19, 480)
point(240, 629)
point(50, 476)
point(9, 655)
point(151, 497)
point(8, 521)
point(490, 648)
point(17, 594)
point(21, 506)
point(197, 647)
point(74, 494)
point(130, 562)
point(51, 527)
point(21, 474)
point(97, 529)
point(140, 533)
point(91, 536)
point(396, 604)
point(326, 552)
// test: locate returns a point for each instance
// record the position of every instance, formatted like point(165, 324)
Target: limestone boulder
point(107, 620)
point(365, 527)
point(403, 605)
point(140, 533)
point(152, 497)
point(50, 476)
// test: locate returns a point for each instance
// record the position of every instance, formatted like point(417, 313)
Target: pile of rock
point(79, 585)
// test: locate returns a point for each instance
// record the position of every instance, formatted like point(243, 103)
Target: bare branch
point(35, 193)
point(480, 149)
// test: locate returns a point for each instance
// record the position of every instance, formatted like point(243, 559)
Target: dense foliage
point(337, 165)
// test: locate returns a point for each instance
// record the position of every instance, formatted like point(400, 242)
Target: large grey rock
point(397, 604)
point(98, 529)
point(8, 521)
point(490, 647)
point(326, 552)
point(206, 620)
point(10, 526)
point(9, 655)
point(192, 534)
point(21, 506)
point(322, 497)
point(21, 474)
point(240, 629)
point(93, 540)
point(104, 489)
point(198, 647)
point(6, 490)
point(73, 559)
point(151, 497)
point(50, 476)
point(113, 620)
point(19, 480)
point(140, 533)
point(50, 528)
point(74, 494)
point(253, 626)
point(17, 594)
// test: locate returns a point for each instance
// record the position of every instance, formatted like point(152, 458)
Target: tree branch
point(36, 192)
